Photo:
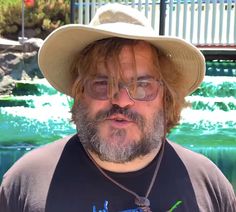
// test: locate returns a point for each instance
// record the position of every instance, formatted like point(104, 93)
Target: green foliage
point(6, 2)
point(39, 20)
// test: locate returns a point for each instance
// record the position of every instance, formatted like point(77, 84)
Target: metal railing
point(208, 23)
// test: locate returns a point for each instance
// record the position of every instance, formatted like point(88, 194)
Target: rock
point(15, 63)
point(2, 73)
point(36, 42)
point(15, 66)
point(9, 45)
point(23, 45)
point(32, 44)
point(7, 84)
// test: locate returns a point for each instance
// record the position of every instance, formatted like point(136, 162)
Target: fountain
point(37, 114)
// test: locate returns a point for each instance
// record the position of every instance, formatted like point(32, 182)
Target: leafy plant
point(39, 20)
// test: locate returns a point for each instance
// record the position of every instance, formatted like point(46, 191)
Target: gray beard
point(152, 134)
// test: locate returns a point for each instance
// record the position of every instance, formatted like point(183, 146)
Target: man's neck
point(130, 166)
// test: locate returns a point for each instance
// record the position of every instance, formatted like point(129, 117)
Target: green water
point(37, 114)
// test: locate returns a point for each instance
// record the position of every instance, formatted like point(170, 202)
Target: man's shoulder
point(30, 177)
point(52, 150)
point(39, 159)
point(188, 155)
point(207, 179)
point(197, 164)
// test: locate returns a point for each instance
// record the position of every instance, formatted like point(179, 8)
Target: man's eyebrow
point(101, 76)
point(145, 77)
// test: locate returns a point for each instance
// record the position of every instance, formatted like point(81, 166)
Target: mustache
point(115, 109)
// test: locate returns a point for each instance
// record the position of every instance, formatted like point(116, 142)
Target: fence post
point(162, 17)
point(23, 21)
point(72, 11)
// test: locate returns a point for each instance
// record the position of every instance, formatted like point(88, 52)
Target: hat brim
point(60, 47)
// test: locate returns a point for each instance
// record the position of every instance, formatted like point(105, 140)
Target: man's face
point(121, 128)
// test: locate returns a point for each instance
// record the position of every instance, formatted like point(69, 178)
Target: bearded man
point(129, 87)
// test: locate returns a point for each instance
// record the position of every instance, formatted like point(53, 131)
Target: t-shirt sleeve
point(212, 189)
point(8, 197)
point(25, 185)
point(3, 199)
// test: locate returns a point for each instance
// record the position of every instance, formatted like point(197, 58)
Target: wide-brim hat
point(115, 20)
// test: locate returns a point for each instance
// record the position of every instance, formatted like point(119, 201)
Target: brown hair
point(85, 64)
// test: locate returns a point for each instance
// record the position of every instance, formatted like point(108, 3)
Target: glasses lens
point(97, 89)
point(146, 90)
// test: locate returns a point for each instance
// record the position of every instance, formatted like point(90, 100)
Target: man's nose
point(122, 98)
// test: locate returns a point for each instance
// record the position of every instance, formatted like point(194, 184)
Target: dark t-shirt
point(60, 177)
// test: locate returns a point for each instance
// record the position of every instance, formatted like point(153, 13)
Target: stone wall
point(16, 64)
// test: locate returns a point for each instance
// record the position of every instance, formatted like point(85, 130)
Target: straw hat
point(114, 20)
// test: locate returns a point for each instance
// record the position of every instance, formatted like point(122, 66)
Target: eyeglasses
point(141, 90)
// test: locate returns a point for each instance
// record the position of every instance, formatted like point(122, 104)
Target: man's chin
point(118, 149)
point(119, 139)
point(119, 135)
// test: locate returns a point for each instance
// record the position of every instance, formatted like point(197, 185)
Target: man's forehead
point(141, 48)
point(131, 62)
point(128, 51)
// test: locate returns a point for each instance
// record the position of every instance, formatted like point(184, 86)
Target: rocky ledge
point(18, 61)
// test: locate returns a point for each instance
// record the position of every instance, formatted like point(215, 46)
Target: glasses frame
point(88, 91)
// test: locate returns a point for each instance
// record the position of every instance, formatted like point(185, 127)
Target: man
point(128, 86)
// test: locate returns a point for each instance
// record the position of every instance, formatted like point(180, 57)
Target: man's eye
point(143, 84)
point(100, 83)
